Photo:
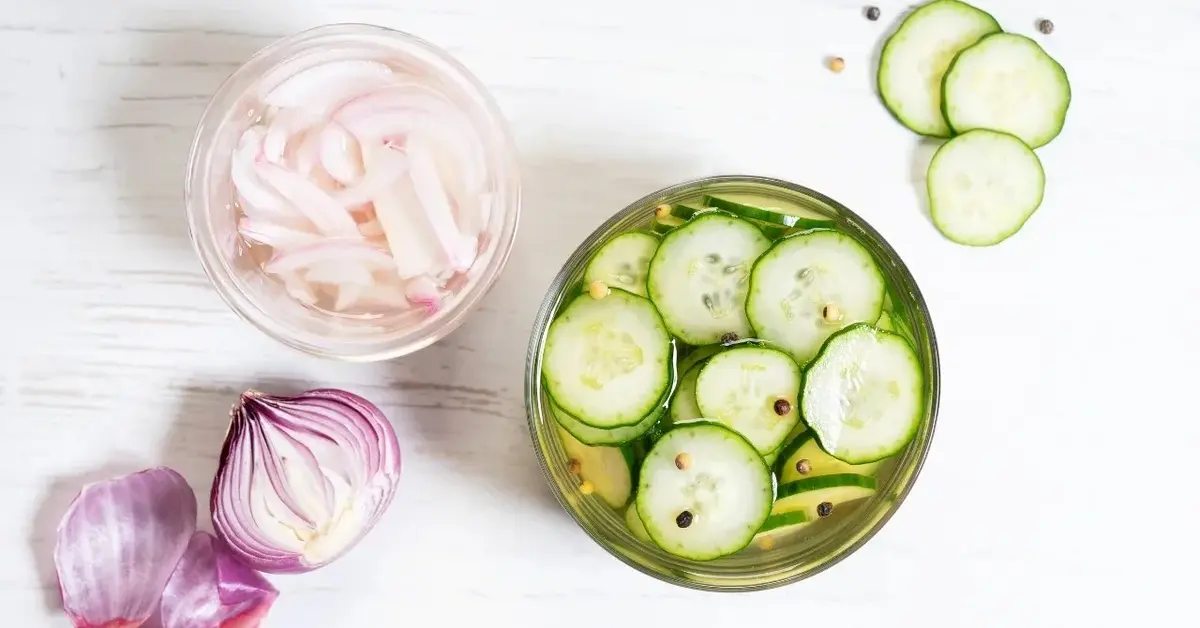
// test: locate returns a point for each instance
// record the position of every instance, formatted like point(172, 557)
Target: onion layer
point(302, 479)
point(212, 589)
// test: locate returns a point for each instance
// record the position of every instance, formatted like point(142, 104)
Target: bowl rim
point(559, 285)
point(216, 113)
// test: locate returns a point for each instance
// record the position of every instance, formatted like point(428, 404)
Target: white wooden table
point(1061, 488)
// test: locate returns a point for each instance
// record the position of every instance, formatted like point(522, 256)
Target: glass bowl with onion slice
point(353, 191)
point(732, 384)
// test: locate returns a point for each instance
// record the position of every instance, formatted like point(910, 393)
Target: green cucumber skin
point(907, 440)
point(882, 62)
point(1062, 72)
point(764, 217)
point(835, 480)
point(607, 437)
point(784, 519)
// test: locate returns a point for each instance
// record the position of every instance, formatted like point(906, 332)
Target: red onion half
point(302, 479)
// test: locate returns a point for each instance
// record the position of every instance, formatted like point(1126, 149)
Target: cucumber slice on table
point(623, 261)
point(607, 361)
point(683, 406)
point(809, 494)
point(1007, 83)
point(752, 390)
point(697, 278)
point(803, 458)
point(589, 435)
point(914, 60)
point(863, 395)
point(770, 211)
point(634, 523)
point(704, 492)
point(608, 469)
point(983, 185)
point(810, 285)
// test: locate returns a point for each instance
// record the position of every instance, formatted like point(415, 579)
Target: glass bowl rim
point(559, 285)
point(218, 271)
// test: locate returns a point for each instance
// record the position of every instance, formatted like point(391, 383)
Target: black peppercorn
point(872, 13)
point(782, 407)
point(728, 338)
point(684, 519)
point(1046, 26)
point(824, 509)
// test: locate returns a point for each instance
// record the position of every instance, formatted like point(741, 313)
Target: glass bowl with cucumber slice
point(732, 383)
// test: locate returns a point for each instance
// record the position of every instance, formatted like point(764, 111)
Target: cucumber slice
point(808, 494)
point(914, 60)
point(589, 435)
point(665, 225)
point(745, 388)
point(715, 503)
point(864, 394)
point(634, 523)
point(805, 453)
point(683, 405)
point(792, 437)
point(698, 276)
point(607, 361)
point(769, 210)
point(983, 185)
point(810, 285)
point(1007, 83)
point(779, 525)
point(623, 261)
point(698, 355)
point(608, 469)
point(885, 322)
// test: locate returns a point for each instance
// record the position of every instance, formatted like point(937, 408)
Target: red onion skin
point(267, 559)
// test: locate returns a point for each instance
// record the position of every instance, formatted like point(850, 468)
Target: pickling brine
point(361, 185)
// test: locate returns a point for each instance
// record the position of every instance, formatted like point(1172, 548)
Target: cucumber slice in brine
point(607, 361)
point(863, 395)
point(703, 492)
point(623, 261)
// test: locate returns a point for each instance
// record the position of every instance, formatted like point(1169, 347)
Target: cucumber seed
point(684, 519)
point(782, 407)
point(824, 509)
point(598, 289)
point(830, 313)
point(683, 461)
point(587, 488)
point(574, 467)
point(803, 466)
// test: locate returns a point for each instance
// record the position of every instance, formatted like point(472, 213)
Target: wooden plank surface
point(1061, 486)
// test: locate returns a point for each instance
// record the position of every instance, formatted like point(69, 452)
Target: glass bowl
point(264, 302)
point(753, 568)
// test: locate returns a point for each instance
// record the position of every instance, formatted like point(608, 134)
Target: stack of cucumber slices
point(950, 71)
point(735, 373)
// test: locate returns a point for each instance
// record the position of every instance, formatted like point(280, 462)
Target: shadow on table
point(192, 447)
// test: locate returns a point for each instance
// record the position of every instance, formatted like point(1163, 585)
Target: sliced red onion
point(211, 588)
point(341, 155)
point(249, 186)
point(322, 209)
point(340, 250)
point(302, 479)
point(276, 235)
point(284, 126)
point(428, 187)
point(385, 166)
point(118, 544)
point(340, 272)
point(319, 86)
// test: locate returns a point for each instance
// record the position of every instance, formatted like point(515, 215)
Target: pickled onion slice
point(368, 183)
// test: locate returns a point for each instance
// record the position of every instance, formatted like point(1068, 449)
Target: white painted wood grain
point(1061, 486)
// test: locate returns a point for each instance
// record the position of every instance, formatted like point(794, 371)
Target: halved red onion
point(118, 544)
point(303, 478)
point(211, 588)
